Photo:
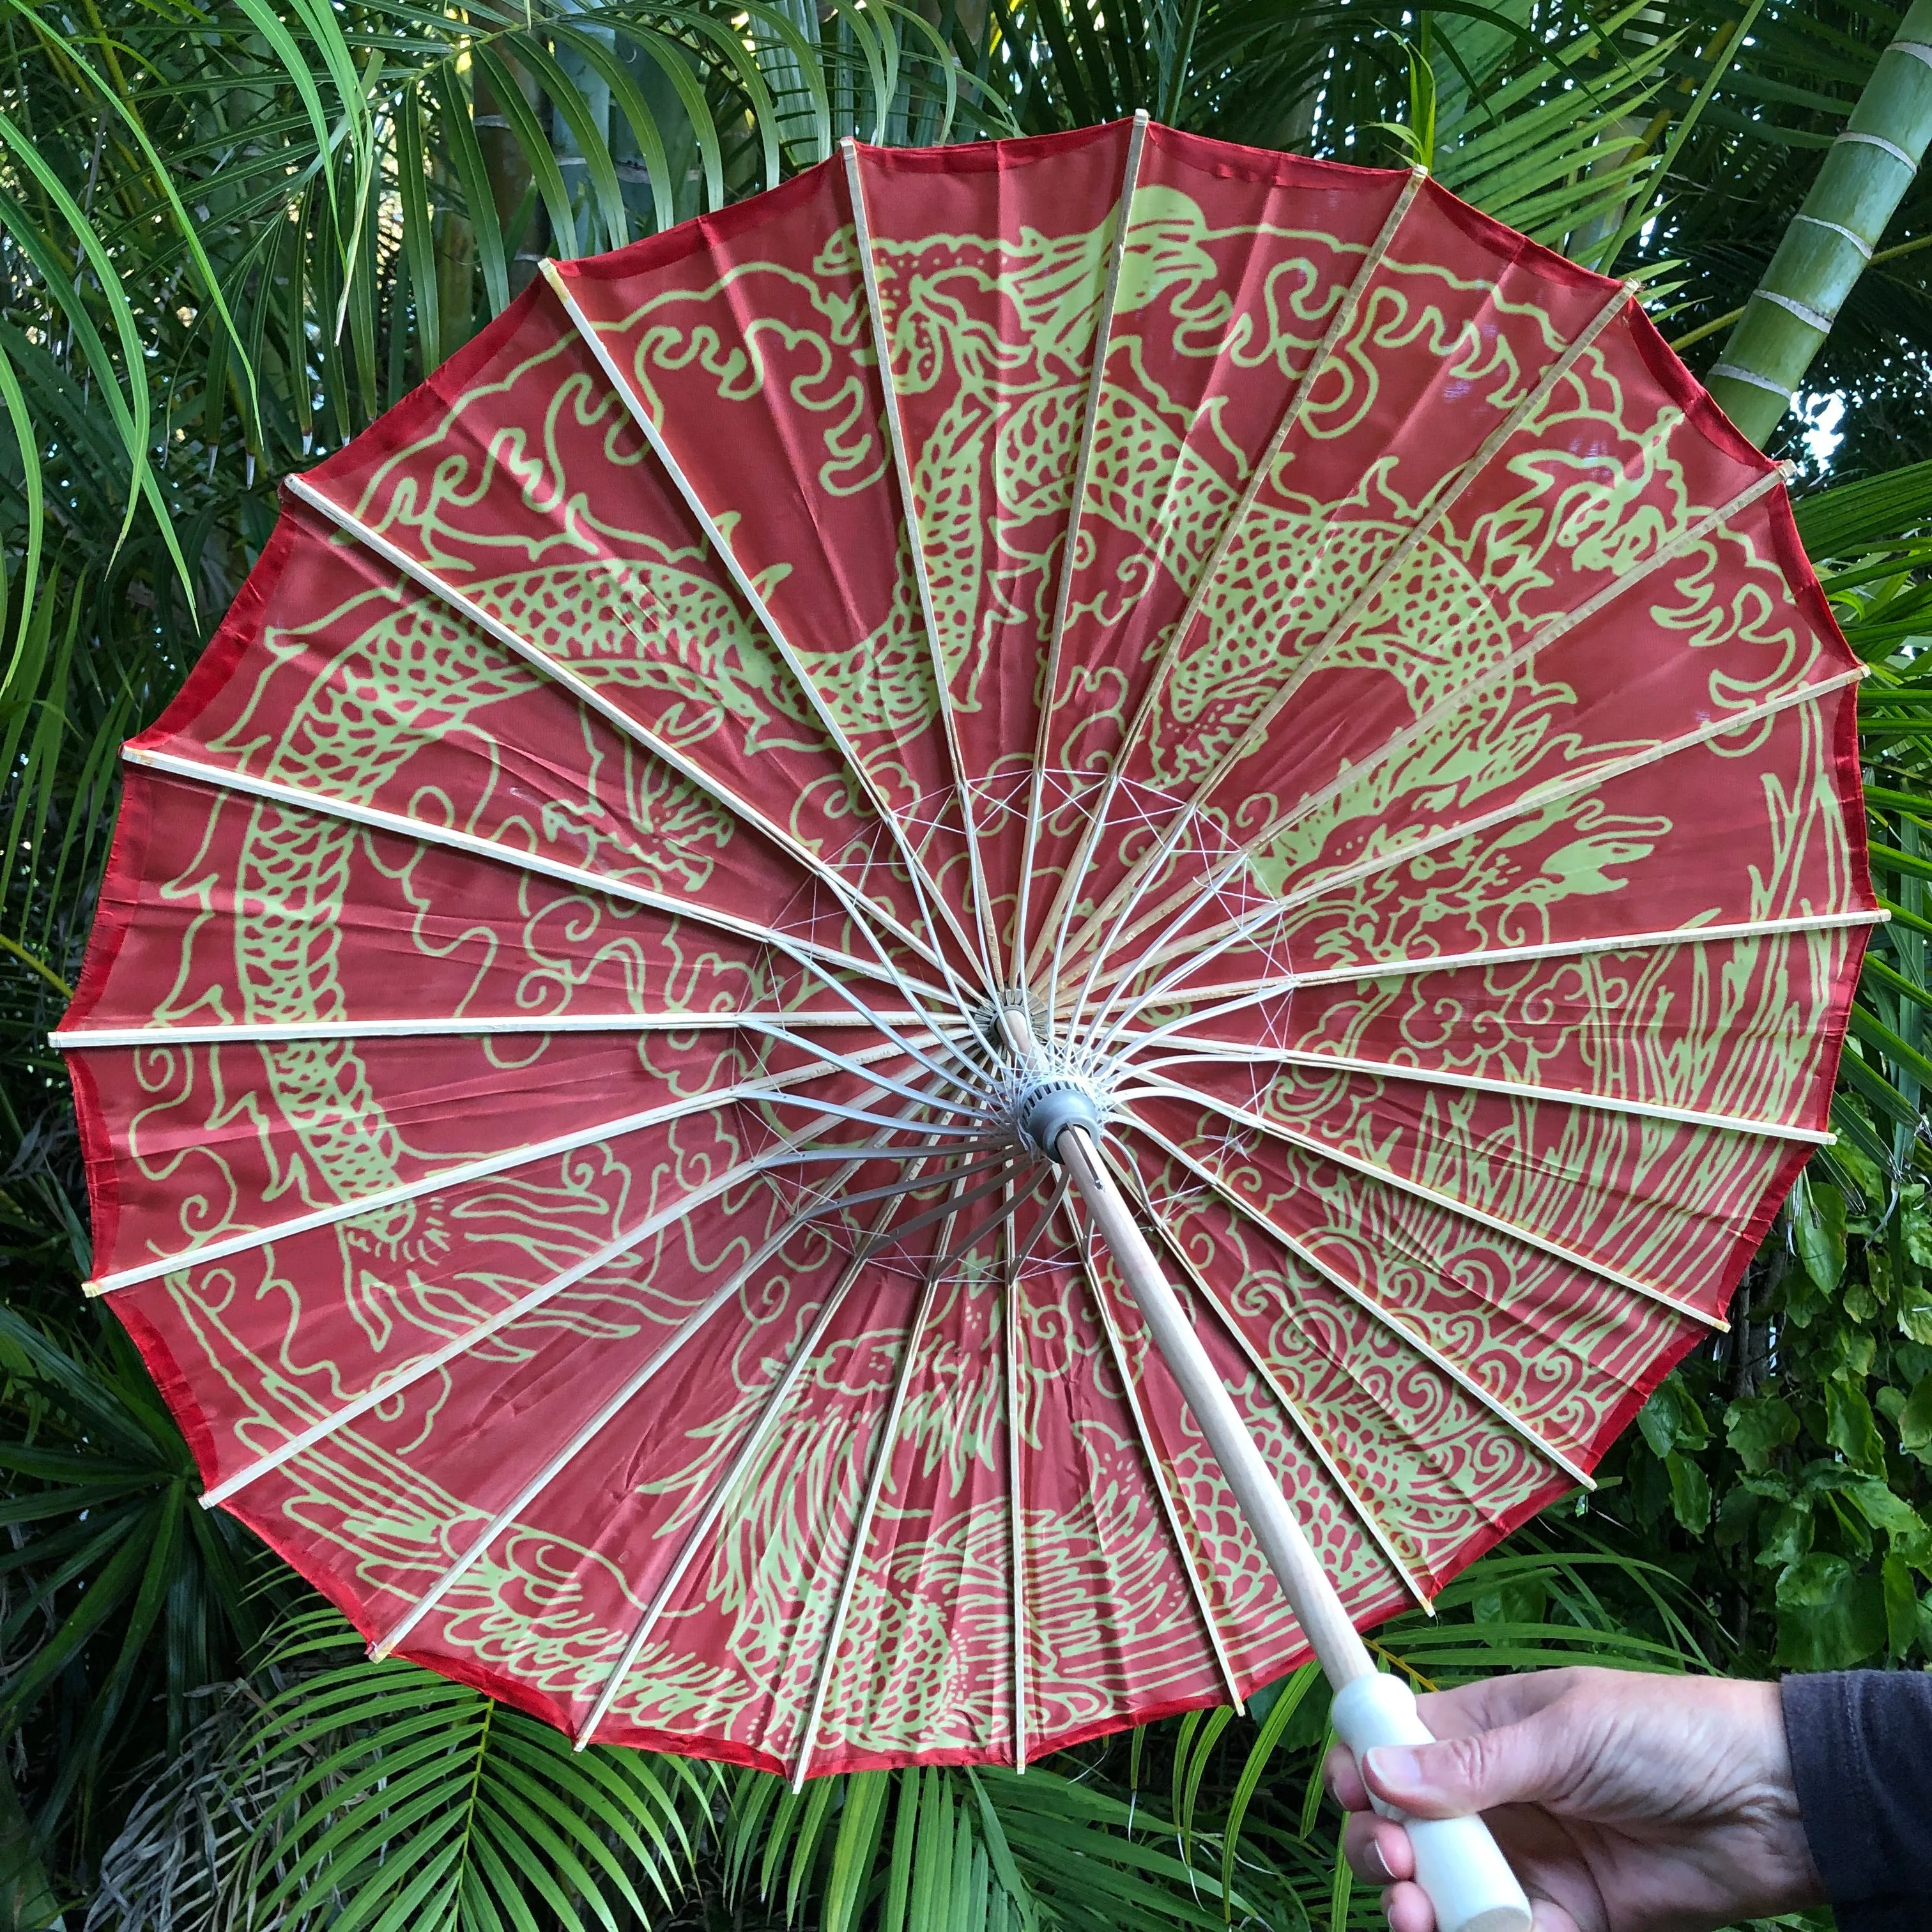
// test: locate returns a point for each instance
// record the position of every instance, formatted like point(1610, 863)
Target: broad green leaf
point(1830, 1616)
point(1849, 1426)
point(1756, 1429)
point(459, 135)
point(1915, 1421)
point(1818, 1228)
point(1690, 1493)
point(1671, 1419)
point(1787, 1536)
point(521, 118)
point(1286, 1696)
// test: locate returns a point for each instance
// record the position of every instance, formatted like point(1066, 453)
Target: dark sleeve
point(1861, 1760)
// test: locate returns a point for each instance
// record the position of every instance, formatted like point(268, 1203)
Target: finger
point(1495, 1701)
point(1344, 1780)
point(1460, 1775)
point(1409, 1909)
point(1378, 1850)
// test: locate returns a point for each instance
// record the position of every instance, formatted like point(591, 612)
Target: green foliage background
point(232, 232)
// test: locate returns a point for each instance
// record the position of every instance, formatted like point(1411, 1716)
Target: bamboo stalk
point(1830, 241)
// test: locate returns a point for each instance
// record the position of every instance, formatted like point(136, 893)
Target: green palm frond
point(119, 1591)
point(351, 1794)
point(940, 1846)
point(405, 1803)
point(1517, 146)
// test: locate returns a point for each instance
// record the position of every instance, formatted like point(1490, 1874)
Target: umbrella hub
point(1044, 1094)
point(1049, 1104)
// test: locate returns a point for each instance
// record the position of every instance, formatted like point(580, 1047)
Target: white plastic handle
point(1457, 1862)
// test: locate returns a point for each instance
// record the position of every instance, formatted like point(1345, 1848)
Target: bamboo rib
point(1063, 595)
point(242, 1032)
point(1202, 948)
point(1245, 993)
point(1525, 1432)
point(1449, 493)
point(1373, 256)
point(464, 1172)
point(1388, 1177)
point(1246, 1052)
point(1263, 1369)
point(693, 1545)
point(816, 959)
point(586, 1433)
point(774, 1026)
point(406, 1379)
point(389, 1387)
point(923, 883)
point(857, 905)
point(1156, 1474)
point(949, 720)
point(1456, 487)
point(722, 1491)
point(974, 1235)
point(1546, 634)
point(862, 1530)
point(299, 798)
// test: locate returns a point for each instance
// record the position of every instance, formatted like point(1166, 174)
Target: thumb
point(1456, 1778)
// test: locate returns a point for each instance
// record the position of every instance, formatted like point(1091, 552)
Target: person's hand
point(1627, 1803)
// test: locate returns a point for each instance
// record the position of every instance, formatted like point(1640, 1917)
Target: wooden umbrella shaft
point(1338, 1647)
point(1457, 1862)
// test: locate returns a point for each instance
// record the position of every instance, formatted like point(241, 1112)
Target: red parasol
point(922, 932)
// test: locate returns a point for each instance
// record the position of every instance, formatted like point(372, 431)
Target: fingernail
point(1392, 1767)
point(1378, 1873)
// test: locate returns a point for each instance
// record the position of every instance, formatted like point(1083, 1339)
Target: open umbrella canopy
point(1246, 655)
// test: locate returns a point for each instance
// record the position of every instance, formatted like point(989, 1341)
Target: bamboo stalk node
point(1753, 379)
point(1812, 318)
point(1839, 228)
point(1878, 141)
